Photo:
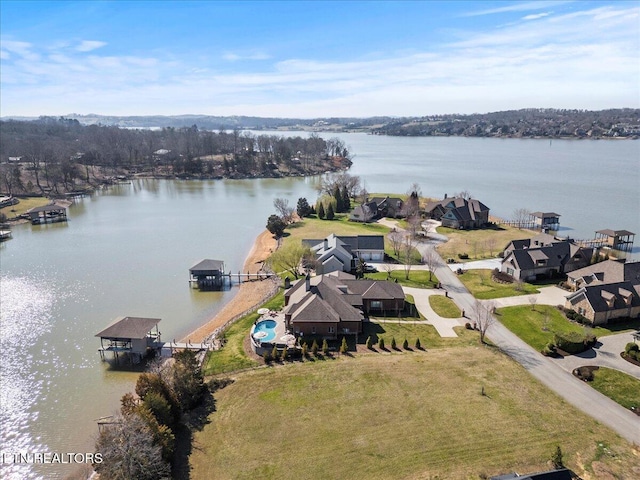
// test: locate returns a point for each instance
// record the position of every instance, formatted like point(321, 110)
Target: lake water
point(127, 251)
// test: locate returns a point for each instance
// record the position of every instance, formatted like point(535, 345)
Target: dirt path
point(249, 295)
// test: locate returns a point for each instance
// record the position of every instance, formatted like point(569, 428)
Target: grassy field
point(411, 415)
point(24, 205)
point(444, 306)
point(417, 278)
point(536, 327)
point(484, 243)
point(482, 286)
point(318, 229)
point(618, 386)
point(429, 337)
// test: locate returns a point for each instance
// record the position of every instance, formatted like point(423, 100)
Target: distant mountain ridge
point(530, 122)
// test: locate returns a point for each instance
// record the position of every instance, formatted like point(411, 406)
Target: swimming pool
point(264, 331)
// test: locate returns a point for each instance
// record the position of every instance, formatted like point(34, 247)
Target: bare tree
point(466, 194)
point(396, 238)
point(128, 451)
point(284, 210)
point(532, 301)
point(430, 259)
point(387, 268)
point(407, 254)
point(521, 217)
point(483, 315)
point(491, 245)
point(288, 258)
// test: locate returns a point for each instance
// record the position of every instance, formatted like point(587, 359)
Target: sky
point(310, 59)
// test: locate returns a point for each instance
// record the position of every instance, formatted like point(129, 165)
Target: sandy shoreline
point(249, 295)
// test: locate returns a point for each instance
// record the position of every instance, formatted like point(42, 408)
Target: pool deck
point(280, 330)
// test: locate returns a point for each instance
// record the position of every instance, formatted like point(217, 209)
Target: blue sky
point(313, 59)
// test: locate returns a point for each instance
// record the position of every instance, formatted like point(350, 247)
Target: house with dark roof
point(340, 253)
point(540, 240)
point(603, 302)
point(548, 261)
point(337, 303)
point(378, 207)
point(561, 474)
point(609, 271)
point(458, 212)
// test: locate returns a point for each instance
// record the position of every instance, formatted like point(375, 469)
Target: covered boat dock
point(129, 336)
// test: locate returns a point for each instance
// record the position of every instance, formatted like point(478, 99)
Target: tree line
point(58, 154)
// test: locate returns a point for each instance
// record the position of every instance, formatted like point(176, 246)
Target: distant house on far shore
point(378, 207)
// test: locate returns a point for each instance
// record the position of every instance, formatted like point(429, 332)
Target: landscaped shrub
point(274, 353)
point(468, 326)
point(303, 350)
point(381, 343)
point(463, 256)
point(325, 347)
point(631, 347)
point(573, 342)
point(266, 357)
point(369, 343)
point(502, 277)
point(405, 344)
point(343, 346)
point(418, 345)
point(393, 343)
point(285, 353)
point(314, 348)
point(549, 350)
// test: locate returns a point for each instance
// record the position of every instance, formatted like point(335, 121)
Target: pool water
point(265, 331)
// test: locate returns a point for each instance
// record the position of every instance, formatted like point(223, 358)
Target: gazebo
point(129, 335)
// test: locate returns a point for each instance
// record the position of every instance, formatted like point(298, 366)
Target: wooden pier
point(210, 275)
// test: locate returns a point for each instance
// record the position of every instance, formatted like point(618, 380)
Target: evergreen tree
point(418, 345)
point(314, 348)
point(274, 353)
point(330, 213)
point(321, 213)
point(325, 347)
point(304, 350)
point(393, 343)
point(285, 353)
point(338, 196)
point(381, 343)
point(344, 347)
point(346, 200)
point(303, 209)
point(369, 343)
point(556, 459)
point(405, 344)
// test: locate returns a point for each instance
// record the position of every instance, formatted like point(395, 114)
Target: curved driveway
point(546, 370)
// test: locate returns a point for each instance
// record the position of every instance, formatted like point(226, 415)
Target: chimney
point(307, 283)
point(445, 196)
point(326, 244)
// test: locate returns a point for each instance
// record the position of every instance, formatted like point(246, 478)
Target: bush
point(266, 356)
point(325, 347)
point(463, 256)
point(393, 343)
point(274, 353)
point(381, 343)
point(418, 345)
point(405, 344)
point(304, 352)
point(314, 348)
point(502, 277)
point(549, 350)
point(631, 347)
point(285, 353)
point(216, 384)
point(369, 343)
point(574, 342)
point(468, 326)
point(343, 346)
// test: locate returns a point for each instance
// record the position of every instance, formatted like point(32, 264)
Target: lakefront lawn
point(415, 415)
point(483, 287)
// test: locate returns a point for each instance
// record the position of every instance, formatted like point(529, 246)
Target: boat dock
point(210, 275)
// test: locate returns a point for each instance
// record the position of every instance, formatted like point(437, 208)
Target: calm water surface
point(127, 251)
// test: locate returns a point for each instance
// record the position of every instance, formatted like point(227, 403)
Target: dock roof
point(47, 208)
point(615, 233)
point(129, 327)
point(206, 266)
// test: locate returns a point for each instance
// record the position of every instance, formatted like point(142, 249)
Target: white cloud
point(234, 57)
point(90, 45)
point(536, 16)
point(4, 55)
point(518, 7)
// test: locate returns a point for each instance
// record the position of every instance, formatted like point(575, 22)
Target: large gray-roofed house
point(333, 304)
point(458, 212)
point(603, 302)
point(609, 271)
point(539, 240)
point(340, 253)
point(548, 261)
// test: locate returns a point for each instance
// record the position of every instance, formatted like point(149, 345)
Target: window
point(376, 305)
point(331, 330)
point(510, 271)
point(313, 330)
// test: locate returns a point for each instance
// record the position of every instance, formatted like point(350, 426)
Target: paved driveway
point(547, 296)
point(444, 326)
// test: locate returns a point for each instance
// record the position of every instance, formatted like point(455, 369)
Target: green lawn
point(444, 306)
point(428, 335)
point(314, 228)
point(24, 205)
point(411, 415)
point(618, 386)
point(536, 327)
point(232, 357)
point(482, 286)
point(417, 278)
point(483, 243)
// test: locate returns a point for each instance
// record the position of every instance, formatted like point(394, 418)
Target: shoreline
point(249, 295)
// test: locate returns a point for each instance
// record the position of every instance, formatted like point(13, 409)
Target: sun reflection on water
point(25, 316)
